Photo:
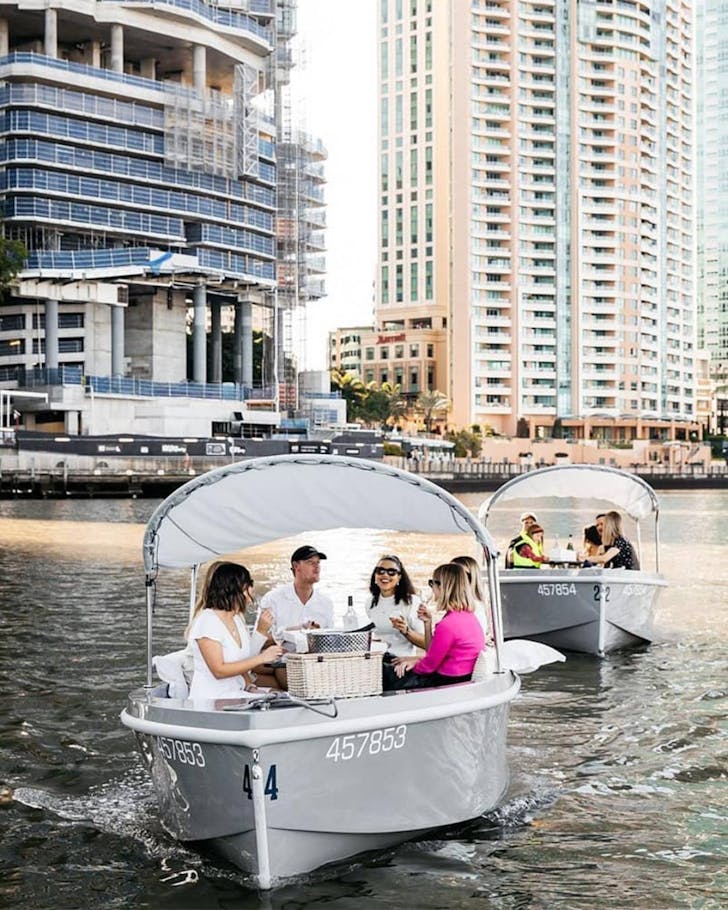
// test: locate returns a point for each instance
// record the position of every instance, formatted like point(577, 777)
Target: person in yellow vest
point(528, 550)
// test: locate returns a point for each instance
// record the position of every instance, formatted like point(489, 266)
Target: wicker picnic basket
point(342, 675)
point(330, 641)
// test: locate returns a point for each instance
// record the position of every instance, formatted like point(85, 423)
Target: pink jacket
point(455, 645)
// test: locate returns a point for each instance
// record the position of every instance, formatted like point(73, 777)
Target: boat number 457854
point(372, 742)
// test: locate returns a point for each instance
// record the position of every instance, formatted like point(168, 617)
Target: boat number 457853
point(372, 742)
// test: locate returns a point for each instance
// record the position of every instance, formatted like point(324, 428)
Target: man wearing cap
point(297, 603)
point(527, 519)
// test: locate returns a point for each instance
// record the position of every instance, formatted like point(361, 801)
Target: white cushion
point(171, 669)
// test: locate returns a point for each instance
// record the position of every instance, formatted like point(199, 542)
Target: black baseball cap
point(306, 552)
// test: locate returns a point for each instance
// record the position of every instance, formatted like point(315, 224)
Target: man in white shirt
point(298, 602)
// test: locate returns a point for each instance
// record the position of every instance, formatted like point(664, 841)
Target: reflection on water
point(618, 766)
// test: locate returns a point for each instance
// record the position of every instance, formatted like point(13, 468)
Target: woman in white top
point(392, 610)
point(223, 650)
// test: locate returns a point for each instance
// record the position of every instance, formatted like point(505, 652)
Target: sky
point(337, 89)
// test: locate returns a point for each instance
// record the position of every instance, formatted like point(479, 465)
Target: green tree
point(431, 405)
point(522, 431)
point(13, 256)
point(557, 431)
point(396, 402)
point(466, 443)
point(352, 389)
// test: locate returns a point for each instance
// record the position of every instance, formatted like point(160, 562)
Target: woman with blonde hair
point(456, 643)
point(616, 551)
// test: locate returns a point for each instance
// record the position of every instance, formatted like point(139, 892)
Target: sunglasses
point(381, 570)
point(434, 583)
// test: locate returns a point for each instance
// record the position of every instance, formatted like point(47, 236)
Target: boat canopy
point(625, 491)
point(262, 499)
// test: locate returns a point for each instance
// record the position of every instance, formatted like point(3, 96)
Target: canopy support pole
point(193, 590)
point(150, 612)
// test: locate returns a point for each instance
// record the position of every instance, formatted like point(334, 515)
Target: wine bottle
point(350, 620)
point(570, 544)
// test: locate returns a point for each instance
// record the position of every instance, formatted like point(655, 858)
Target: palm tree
point(396, 402)
point(352, 389)
point(432, 404)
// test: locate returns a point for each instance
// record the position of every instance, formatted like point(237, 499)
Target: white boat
point(281, 786)
point(592, 610)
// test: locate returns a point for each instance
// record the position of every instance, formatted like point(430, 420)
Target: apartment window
point(398, 170)
point(430, 379)
point(428, 222)
point(384, 60)
point(399, 228)
point(369, 376)
point(428, 108)
point(413, 224)
point(413, 53)
point(398, 58)
point(413, 110)
point(384, 353)
point(428, 280)
point(428, 164)
point(13, 322)
point(400, 283)
point(414, 350)
point(398, 373)
point(398, 351)
point(428, 50)
point(385, 116)
point(12, 347)
point(383, 11)
point(385, 284)
point(398, 114)
point(369, 353)
point(384, 376)
point(385, 172)
point(414, 380)
point(385, 228)
point(430, 350)
point(414, 280)
point(413, 167)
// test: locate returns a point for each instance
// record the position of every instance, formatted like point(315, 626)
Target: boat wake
point(124, 807)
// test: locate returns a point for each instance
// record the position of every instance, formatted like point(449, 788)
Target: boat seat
point(171, 668)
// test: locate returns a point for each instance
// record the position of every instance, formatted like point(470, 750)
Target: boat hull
point(593, 610)
point(384, 771)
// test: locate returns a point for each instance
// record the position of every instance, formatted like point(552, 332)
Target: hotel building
point(536, 212)
point(139, 166)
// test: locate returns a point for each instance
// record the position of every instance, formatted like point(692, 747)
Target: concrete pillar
point(199, 69)
point(96, 54)
point(51, 334)
point(238, 343)
point(149, 67)
point(246, 310)
point(4, 38)
point(199, 336)
point(117, 48)
point(50, 42)
point(215, 341)
point(117, 341)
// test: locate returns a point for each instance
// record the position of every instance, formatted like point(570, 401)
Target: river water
point(619, 767)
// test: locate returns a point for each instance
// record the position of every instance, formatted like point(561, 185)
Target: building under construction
point(141, 162)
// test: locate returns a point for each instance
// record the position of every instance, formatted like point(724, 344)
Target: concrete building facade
point(537, 207)
point(140, 170)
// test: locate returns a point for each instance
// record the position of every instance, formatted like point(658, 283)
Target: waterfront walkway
point(158, 477)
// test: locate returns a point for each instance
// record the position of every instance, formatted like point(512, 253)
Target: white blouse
point(204, 684)
point(384, 630)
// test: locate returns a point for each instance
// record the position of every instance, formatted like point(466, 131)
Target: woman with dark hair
point(456, 643)
point(391, 608)
point(222, 649)
point(590, 547)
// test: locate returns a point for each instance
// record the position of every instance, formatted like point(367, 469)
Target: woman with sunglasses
point(222, 648)
point(391, 608)
point(456, 643)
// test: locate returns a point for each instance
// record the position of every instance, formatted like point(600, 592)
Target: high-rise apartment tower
point(537, 208)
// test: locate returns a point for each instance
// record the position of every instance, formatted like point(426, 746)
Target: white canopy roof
point(261, 499)
point(627, 492)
